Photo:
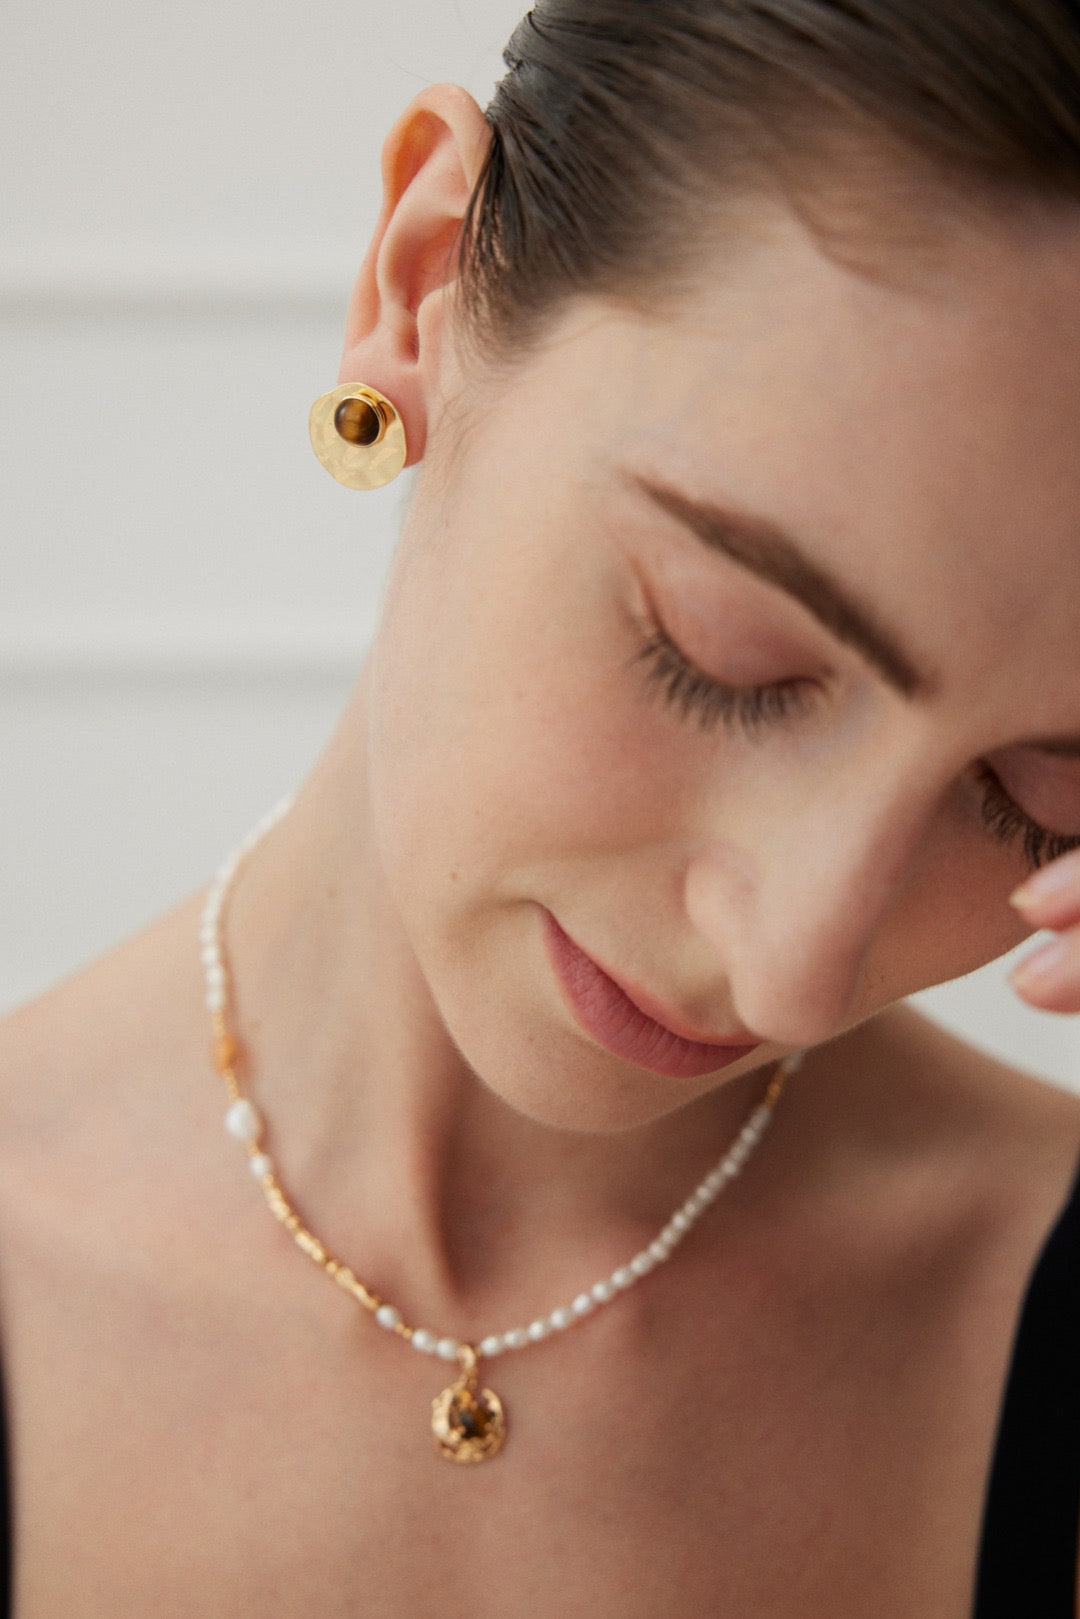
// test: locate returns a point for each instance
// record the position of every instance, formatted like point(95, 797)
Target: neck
point(440, 1195)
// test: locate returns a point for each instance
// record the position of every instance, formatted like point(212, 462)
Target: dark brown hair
point(623, 124)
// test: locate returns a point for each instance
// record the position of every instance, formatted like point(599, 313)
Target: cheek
point(951, 919)
point(510, 709)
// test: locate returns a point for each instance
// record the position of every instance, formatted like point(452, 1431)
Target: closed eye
point(747, 708)
point(679, 683)
point(1003, 817)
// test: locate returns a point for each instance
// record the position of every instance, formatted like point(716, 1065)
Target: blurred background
point(186, 595)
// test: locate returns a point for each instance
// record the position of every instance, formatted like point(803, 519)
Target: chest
point(751, 1450)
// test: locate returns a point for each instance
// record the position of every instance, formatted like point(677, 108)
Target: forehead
point(922, 435)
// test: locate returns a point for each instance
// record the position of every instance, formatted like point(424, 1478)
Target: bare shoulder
point(85, 1068)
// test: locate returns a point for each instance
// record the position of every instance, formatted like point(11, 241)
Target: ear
point(430, 164)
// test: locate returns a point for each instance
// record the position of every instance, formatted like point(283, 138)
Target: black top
point(1027, 1558)
point(1028, 1551)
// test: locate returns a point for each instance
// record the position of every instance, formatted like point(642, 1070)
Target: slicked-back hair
point(620, 125)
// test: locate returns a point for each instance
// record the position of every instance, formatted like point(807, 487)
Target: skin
point(719, 1439)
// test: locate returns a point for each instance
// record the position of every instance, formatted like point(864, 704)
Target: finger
point(1051, 897)
point(1049, 977)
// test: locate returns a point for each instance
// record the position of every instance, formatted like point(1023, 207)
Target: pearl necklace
point(468, 1422)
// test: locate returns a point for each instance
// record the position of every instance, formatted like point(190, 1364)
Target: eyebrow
point(766, 550)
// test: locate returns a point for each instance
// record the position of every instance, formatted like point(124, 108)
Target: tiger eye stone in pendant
point(358, 422)
point(468, 1423)
point(468, 1427)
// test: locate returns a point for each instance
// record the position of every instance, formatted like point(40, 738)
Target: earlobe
point(431, 161)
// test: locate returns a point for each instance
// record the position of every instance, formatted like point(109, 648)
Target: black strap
point(1028, 1550)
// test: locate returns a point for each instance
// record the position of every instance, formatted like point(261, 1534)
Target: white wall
point(184, 594)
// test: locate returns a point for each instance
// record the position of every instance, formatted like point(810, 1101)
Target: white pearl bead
point(447, 1349)
point(492, 1346)
point(660, 1250)
point(242, 1121)
point(208, 933)
point(425, 1341)
point(602, 1291)
point(642, 1263)
point(260, 1164)
point(211, 955)
point(538, 1330)
point(215, 1000)
point(561, 1319)
point(680, 1221)
point(517, 1339)
point(215, 976)
point(387, 1316)
point(623, 1277)
point(583, 1304)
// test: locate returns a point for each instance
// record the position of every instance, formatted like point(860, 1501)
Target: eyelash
point(752, 708)
point(1002, 816)
point(749, 708)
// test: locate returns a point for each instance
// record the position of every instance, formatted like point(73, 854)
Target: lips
point(622, 1025)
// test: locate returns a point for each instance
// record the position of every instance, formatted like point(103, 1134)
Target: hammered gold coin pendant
point(468, 1422)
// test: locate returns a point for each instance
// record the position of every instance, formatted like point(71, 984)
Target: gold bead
point(226, 1051)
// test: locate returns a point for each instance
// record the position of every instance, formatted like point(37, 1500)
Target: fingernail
point(1046, 883)
point(1040, 965)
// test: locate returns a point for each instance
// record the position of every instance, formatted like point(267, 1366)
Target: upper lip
point(660, 1014)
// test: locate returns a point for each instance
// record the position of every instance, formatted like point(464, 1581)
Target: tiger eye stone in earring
point(358, 422)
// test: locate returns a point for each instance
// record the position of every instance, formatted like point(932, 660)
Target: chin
point(607, 1097)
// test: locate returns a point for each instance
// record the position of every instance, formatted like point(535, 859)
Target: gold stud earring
point(358, 436)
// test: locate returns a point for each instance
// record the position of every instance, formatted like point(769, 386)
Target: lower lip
point(622, 1028)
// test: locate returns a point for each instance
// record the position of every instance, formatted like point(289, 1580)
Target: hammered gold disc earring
point(358, 436)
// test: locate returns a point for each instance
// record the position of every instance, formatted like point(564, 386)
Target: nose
point(798, 908)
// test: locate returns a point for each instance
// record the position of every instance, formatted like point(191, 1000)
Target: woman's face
point(842, 824)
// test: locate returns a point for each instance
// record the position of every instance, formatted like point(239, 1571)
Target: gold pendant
point(468, 1423)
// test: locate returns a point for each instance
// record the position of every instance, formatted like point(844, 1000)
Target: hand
point(1049, 977)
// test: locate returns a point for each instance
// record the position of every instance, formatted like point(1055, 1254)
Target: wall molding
point(78, 281)
point(57, 654)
